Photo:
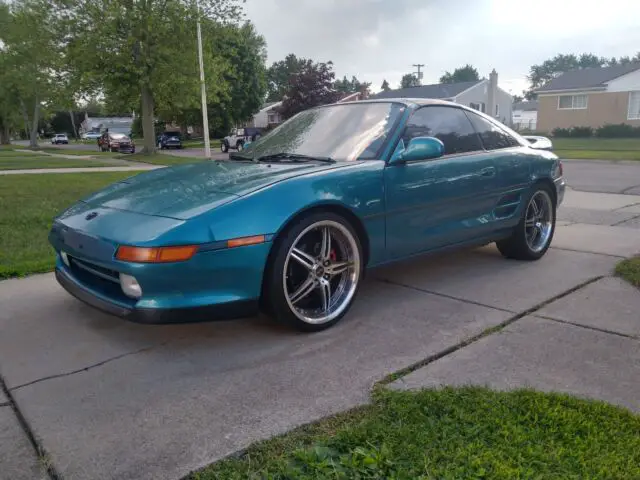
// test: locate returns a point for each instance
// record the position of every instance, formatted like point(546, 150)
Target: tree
point(409, 80)
point(517, 98)
point(143, 54)
point(311, 87)
point(30, 60)
point(352, 86)
point(468, 73)
point(279, 73)
point(385, 86)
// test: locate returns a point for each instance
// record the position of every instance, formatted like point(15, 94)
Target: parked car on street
point(290, 224)
point(169, 140)
point(239, 137)
point(91, 135)
point(60, 138)
point(116, 142)
point(538, 142)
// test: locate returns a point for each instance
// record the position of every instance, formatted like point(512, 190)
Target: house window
point(497, 110)
point(481, 107)
point(572, 102)
point(273, 118)
point(634, 106)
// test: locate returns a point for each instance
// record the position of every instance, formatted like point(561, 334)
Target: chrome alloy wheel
point(538, 224)
point(321, 272)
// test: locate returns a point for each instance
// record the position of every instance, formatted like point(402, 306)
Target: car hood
point(185, 191)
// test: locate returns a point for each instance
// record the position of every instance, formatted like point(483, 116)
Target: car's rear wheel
point(532, 237)
point(315, 273)
point(224, 148)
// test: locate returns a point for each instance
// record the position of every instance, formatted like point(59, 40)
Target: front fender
point(358, 187)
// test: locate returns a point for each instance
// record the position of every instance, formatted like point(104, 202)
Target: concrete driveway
point(104, 398)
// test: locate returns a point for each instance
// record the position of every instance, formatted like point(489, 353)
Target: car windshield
point(346, 132)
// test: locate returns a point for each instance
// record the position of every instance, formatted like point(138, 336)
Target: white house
point(525, 115)
point(114, 124)
point(484, 95)
point(268, 115)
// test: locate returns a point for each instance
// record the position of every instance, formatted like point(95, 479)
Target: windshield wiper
point(294, 157)
point(235, 156)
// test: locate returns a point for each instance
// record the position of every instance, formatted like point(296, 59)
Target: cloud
point(381, 39)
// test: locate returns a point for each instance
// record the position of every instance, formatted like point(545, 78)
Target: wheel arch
point(336, 208)
point(547, 182)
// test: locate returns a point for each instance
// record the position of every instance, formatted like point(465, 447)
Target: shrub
point(581, 132)
point(620, 130)
point(561, 132)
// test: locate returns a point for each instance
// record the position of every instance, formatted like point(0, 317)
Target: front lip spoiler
point(224, 311)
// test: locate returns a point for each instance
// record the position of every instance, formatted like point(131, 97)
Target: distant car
point(59, 138)
point(539, 143)
point(169, 140)
point(91, 135)
point(238, 138)
point(116, 142)
point(291, 223)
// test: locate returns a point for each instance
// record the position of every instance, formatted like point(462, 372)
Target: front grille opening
point(103, 280)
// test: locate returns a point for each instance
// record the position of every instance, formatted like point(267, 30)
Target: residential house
point(483, 95)
point(100, 124)
point(591, 97)
point(525, 115)
point(268, 116)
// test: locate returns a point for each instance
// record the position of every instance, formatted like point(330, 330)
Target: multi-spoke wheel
point(316, 272)
point(532, 237)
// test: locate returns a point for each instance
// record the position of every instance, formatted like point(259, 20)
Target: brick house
point(591, 97)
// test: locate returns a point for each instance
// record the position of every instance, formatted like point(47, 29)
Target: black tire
point(239, 145)
point(516, 246)
point(274, 299)
point(224, 147)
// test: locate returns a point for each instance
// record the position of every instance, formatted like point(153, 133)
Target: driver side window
point(448, 124)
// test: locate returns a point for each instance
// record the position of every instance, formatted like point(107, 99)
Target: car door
point(513, 169)
point(443, 201)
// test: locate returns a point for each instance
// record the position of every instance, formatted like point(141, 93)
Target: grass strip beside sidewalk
point(28, 204)
point(629, 269)
point(22, 161)
point(451, 434)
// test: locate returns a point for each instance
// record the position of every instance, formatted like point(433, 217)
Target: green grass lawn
point(200, 143)
point(83, 153)
point(20, 161)
point(598, 148)
point(467, 433)
point(159, 159)
point(28, 204)
point(629, 269)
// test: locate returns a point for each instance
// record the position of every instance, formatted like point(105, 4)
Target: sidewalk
point(34, 171)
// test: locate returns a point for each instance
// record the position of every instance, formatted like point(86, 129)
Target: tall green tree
point(468, 73)
point(143, 53)
point(385, 86)
point(311, 87)
point(279, 75)
point(30, 59)
point(409, 80)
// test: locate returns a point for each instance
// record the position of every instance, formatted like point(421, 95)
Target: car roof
point(406, 101)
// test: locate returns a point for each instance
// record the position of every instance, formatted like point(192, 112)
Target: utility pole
point(419, 74)
point(203, 88)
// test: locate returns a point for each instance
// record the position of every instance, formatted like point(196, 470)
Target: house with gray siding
point(484, 95)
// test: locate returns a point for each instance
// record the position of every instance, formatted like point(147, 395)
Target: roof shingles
point(437, 90)
point(587, 77)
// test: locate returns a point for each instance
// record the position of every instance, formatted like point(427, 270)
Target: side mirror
point(419, 148)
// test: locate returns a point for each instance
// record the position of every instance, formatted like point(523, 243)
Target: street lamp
point(203, 88)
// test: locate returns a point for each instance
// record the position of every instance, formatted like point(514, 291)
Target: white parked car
point(91, 136)
point(59, 138)
point(539, 143)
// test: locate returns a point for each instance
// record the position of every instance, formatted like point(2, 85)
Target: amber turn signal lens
point(155, 255)
point(244, 241)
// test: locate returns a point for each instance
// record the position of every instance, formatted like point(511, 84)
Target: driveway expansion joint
point(587, 251)
point(444, 295)
point(41, 453)
point(91, 367)
point(490, 331)
point(587, 327)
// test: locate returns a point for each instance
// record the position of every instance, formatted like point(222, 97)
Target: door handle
point(488, 172)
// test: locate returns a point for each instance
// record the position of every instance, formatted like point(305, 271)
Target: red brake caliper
point(332, 255)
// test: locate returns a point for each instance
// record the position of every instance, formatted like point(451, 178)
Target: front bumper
point(224, 311)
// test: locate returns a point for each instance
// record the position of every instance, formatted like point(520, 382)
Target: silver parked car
point(539, 143)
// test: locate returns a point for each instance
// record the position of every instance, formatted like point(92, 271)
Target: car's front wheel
point(224, 147)
point(532, 237)
point(315, 273)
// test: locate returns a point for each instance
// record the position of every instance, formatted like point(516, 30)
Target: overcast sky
point(381, 39)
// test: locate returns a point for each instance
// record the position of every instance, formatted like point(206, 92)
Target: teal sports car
point(289, 225)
